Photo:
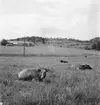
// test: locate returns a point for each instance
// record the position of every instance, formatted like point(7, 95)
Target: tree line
point(93, 43)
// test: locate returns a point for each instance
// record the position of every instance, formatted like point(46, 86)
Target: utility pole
point(24, 47)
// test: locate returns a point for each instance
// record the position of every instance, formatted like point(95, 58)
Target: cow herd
point(80, 66)
point(39, 74)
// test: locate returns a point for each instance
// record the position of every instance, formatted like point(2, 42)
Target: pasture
point(64, 85)
point(45, 50)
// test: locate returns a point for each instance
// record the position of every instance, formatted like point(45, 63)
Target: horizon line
point(51, 38)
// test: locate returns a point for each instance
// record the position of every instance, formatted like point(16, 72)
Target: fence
point(41, 51)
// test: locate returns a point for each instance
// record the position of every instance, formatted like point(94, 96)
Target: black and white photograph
point(49, 52)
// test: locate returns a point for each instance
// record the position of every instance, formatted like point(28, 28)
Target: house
point(21, 43)
point(10, 44)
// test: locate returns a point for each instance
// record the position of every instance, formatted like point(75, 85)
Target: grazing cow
point(29, 74)
point(62, 61)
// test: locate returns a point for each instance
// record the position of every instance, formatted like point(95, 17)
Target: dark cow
point(63, 61)
point(84, 67)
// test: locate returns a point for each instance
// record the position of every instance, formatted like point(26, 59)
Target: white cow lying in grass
point(1, 103)
point(32, 73)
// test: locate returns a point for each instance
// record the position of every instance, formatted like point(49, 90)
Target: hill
point(92, 44)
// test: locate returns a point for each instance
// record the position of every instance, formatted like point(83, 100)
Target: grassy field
point(50, 49)
point(64, 85)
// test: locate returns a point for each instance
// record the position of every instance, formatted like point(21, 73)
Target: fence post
point(24, 48)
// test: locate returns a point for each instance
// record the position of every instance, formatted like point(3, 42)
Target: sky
point(77, 19)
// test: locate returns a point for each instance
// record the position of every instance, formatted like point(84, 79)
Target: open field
point(64, 85)
point(45, 50)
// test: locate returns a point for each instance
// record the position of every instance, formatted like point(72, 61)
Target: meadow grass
point(42, 50)
point(73, 88)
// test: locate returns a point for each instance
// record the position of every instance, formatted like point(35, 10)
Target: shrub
point(4, 42)
point(96, 45)
point(88, 48)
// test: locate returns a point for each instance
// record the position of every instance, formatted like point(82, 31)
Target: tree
point(43, 40)
point(4, 42)
point(95, 43)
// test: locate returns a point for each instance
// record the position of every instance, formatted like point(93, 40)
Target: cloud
point(66, 18)
point(1, 8)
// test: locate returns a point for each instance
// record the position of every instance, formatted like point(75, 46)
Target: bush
point(4, 42)
point(88, 48)
point(96, 45)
